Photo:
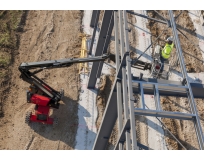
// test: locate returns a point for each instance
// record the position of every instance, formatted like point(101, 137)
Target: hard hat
point(170, 39)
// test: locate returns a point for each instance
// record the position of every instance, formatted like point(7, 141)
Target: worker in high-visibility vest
point(166, 51)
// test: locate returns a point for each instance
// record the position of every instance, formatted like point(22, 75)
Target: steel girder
point(94, 25)
point(102, 45)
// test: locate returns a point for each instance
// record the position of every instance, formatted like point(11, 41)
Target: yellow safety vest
point(167, 50)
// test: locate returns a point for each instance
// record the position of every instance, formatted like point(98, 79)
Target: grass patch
point(2, 74)
point(9, 21)
point(4, 61)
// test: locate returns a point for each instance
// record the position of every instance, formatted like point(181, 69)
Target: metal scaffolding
point(120, 104)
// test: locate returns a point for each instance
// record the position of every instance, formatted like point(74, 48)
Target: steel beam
point(164, 114)
point(157, 98)
point(199, 133)
point(122, 64)
point(143, 16)
point(124, 79)
point(129, 82)
point(102, 44)
point(94, 25)
point(94, 18)
point(108, 122)
point(122, 137)
point(108, 36)
point(122, 43)
point(142, 96)
point(119, 110)
point(167, 87)
point(118, 85)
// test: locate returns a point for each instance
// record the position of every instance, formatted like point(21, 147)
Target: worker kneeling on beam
point(166, 51)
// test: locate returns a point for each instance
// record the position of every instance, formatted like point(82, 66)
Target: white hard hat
point(170, 38)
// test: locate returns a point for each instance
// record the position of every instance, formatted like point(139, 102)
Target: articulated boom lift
point(41, 93)
point(45, 97)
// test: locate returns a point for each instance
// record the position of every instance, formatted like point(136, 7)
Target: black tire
point(62, 93)
point(55, 122)
point(42, 117)
point(27, 118)
point(36, 107)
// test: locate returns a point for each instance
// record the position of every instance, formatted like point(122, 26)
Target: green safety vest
point(167, 50)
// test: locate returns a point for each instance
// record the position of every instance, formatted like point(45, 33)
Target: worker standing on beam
point(166, 51)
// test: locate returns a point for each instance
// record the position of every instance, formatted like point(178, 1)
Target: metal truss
point(120, 104)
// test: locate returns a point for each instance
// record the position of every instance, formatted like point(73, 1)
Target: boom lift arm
point(38, 86)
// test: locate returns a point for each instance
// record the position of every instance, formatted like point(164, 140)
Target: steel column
point(124, 79)
point(118, 85)
point(129, 81)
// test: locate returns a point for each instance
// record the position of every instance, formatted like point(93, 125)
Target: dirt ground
point(46, 35)
point(183, 130)
point(9, 42)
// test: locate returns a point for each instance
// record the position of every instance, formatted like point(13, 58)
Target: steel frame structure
point(121, 101)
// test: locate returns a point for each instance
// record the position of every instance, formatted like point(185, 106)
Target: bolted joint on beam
point(141, 75)
point(119, 80)
point(184, 81)
point(128, 29)
point(169, 23)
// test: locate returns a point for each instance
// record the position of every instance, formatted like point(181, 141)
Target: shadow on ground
point(67, 127)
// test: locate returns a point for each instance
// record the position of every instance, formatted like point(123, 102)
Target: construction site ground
point(46, 35)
